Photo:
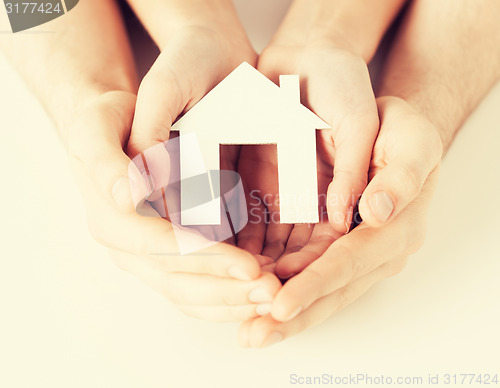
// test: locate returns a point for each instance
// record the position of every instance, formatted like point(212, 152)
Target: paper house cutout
point(248, 108)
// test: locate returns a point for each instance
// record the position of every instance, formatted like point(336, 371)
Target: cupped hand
point(221, 283)
point(405, 163)
point(335, 85)
point(195, 59)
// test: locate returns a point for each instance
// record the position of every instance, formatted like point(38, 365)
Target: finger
point(162, 96)
point(252, 159)
point(198, 289)
point(192, 289)
point(95, 142)
point(350, 257)
point(229, 157)
point(174, 83)
point(150, 172)
point(155, 238)
point(266, 331)
point(321, 237)
point(271, 267)
point(276, 235)
point(262, 195)
point(251, 237)
point(300, 235)
point(264, 260)
point(415, 153)
point(353, 142)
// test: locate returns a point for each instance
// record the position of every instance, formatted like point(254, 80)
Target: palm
point(264, 234)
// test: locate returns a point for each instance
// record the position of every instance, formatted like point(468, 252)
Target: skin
point(327, 43)
point(433, 103)
point(92, 100)
point(93, 103)
point(201, 43)
point(338, 273)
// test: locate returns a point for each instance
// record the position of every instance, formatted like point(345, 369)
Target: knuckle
point(416, 236)
point(240, 313)
point(279, 244)
point(357, 266)
point(409, 182)
point(228, 299)
point(216, 267)
point(358, 179)
point(318, 283)
point(151, 80)
point(161, 132)
point(271, 58)
point(315, 277)
point(352, 266)
point(344, 297)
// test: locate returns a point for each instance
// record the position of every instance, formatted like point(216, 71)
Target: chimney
point(290, 88)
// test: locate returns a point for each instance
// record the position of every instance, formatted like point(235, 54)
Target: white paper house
point(248, 108)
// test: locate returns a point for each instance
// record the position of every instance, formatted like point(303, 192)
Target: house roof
point(246, 95)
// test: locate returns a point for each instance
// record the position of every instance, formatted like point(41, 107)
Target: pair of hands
point(224, 282)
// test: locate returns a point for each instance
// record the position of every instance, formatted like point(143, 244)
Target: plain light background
point(69, 318)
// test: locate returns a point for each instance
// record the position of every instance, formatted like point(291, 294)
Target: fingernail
point(263, 309)
point(294, 313)
point(238, 273)
point(381, 206)
point(260, 295)
point(274, 338)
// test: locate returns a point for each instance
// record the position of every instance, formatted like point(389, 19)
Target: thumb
point(160, 99)
point(413, 151)
point(95, 142)
point(175, 82)
point(390, 191)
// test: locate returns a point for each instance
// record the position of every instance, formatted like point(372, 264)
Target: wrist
point(356, 26)
point(431, 110)
point(164, 19)
point(431, 97)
